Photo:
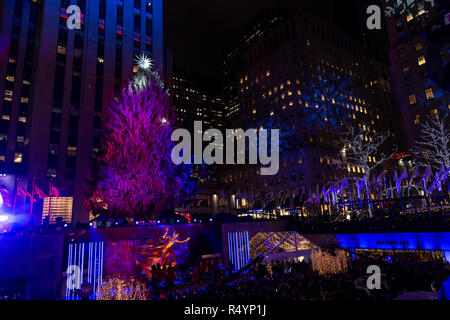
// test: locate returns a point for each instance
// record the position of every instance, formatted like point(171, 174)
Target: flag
point(443, 173)
point(426, 176)
point(381, 180)
point(433, 186)
point(437, 182)
point(53, 191)
point(398, 181)
point(445, 176)
point(415, 174)
point(21, 191)
point(325, 194)
point(6, 197)
point(373, 182)
point(41, 194)
point(343, 185)
point(360, 185)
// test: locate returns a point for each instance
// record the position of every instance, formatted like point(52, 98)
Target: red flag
point(54, 191)
point(21, 191)
point(41, 194)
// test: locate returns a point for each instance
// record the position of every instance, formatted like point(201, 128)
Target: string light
point(118, 288)
point(325, 264)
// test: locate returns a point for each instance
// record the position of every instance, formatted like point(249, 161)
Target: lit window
point(418, 46)
point(405, 69)
point(10, 78)
point(300, 161)
point(17, 157)
point(409, 17)
point(429, 94)
point(2, 158)
point(71, 151)
point(62, 50)
point(421, 60)
point(412, 99)
point(5, 117)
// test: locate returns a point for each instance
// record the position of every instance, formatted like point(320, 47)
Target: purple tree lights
point(136, 176)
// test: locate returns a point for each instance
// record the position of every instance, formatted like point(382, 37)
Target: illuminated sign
point(396, 241)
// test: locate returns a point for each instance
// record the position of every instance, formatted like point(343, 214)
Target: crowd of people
point(164, 278)
point(298, 281)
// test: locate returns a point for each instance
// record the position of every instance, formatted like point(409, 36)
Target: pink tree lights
point(136, 176)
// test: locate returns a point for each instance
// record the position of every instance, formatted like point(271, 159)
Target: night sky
point(198, 31)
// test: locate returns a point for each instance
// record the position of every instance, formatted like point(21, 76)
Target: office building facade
point(306, 79)
point(417, 94)
point(56, 83)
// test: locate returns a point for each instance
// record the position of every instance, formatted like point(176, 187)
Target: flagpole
point(49, 200)
point(15, 195)
point(32, 199)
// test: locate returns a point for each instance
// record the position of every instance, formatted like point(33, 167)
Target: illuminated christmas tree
point(136, 176)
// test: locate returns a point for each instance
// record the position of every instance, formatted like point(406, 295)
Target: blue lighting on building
point(77, 259)
point(238, 249)
point(439, 241)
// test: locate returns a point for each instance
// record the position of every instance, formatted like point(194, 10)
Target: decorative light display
point(325, 264)
point(238, 249)
point(144, 62)
point(120, 288)
point(433, 145)
point(137, 176)
point(159, 251)
point(57, 207)
point(78, 256)
point(265, 243)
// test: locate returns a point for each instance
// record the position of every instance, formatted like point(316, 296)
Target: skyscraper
point(55, 84)
point(306, 78)
point(417, 94)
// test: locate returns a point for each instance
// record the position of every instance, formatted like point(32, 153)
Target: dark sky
point(198, 31)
